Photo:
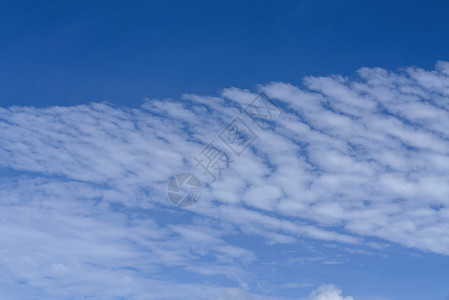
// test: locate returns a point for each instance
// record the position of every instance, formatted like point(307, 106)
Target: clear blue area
point(67, 52)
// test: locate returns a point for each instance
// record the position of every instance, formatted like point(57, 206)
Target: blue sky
point(79, 51)
point(341, 195)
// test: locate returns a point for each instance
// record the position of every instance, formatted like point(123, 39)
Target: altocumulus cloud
point(351, 159)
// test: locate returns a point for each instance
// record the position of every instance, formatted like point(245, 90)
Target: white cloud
point(328, 292)
point(349, 160)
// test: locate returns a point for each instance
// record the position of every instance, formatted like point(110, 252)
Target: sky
point(328, 124)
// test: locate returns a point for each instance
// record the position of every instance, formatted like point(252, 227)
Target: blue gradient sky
point(67, 52)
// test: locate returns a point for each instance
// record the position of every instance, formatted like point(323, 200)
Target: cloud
point(236, 294)
point(327, 292)
point(379, 151)
point(59, 241)
point(359, 161)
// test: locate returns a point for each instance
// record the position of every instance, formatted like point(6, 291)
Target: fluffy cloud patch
point(328, 292)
